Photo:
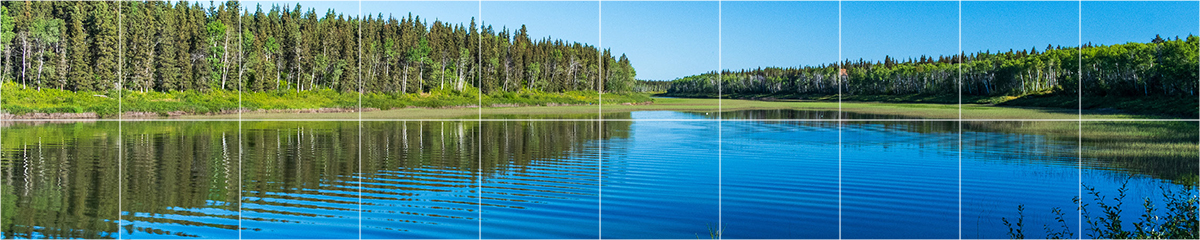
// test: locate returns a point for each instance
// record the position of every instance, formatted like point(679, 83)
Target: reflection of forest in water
point(1164, 150)
point(181, 178)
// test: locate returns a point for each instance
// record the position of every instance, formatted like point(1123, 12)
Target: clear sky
point(779, 34)
point(1000, 26)
point(667, 40)
point(664, 40)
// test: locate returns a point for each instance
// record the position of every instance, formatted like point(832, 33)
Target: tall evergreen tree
point(104, 46)
point(80, 77)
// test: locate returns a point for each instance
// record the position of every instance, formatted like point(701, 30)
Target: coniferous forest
point(187, 46)
point(1161, 68)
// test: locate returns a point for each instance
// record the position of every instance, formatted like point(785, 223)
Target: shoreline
point(227, 113)
point(1127, 107)
point(513, 111)
point(167, 115)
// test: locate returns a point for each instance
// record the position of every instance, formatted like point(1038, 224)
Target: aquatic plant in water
point(1177, 219)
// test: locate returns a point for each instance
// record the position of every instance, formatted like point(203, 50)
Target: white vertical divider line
point(1198, 99)
point(600, 125)
point(360, 122)
point(720, 124)
point(839, 117)
point(479, 81)
point(1079, 141)
point(961, 58)
point(1, 144)
point(120, 123)
point(241, 82)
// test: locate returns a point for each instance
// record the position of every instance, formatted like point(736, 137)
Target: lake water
point(629, 177)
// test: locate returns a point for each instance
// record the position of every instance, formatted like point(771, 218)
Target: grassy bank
point(613, 104)
point(18, 99)
point(453, 104)
point(1151, 106)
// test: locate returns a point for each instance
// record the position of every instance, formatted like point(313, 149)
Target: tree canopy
point(182, 46)
point(1162, 67)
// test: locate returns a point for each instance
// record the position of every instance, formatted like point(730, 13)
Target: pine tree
point(80, 77)
point(104, 42)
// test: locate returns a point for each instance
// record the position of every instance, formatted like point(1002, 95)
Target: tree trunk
point(62, 67)
point(24, 60)
point(421, 78)
point(148, 71)
point(404, 81)
point(507, 66)
point(442, 74)
point(7, 56)
point(225, 60)
point(41, 62)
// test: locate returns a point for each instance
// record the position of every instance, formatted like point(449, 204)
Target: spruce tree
point(80, 77)
point(104, 42)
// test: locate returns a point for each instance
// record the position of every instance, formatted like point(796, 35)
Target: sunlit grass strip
point(23, 100)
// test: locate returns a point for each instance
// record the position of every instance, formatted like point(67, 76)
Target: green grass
point(459, 104)
point(1093, 106)
point(615, 103)
point(18, 100)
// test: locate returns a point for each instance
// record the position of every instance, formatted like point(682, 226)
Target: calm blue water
point(550, 179)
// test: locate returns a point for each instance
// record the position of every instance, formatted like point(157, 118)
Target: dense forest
point(1162, 67)
point(181, 46)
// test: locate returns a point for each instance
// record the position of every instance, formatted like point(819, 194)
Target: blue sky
point(664, 40)
point(667, 40)
point(779, 34)
point(1000, 26)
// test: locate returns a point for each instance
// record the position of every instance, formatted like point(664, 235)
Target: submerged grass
point(1163, 150)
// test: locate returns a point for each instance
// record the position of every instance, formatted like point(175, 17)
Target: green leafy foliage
point(1123, 76)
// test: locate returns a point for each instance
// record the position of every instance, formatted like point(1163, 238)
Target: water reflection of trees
point(182, 173)
point(182, 178)
point(60, 182)
point(1164, 150)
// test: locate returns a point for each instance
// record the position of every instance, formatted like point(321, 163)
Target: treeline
point(181, 46)
point(1162, 67)
point(651, 86)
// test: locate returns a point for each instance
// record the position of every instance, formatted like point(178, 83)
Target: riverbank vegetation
point(620, 103)
point(1158, 77)
point(105, 104)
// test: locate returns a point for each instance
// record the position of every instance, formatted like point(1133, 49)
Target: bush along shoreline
point(22, 102)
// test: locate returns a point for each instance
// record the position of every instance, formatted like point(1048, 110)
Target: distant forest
point(182, 46)
point(1162, 67)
